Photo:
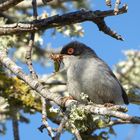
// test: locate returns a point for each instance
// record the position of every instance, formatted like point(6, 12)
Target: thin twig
point(76, 132)
point(115, 122)
point(29, 58)
point(44, 119)
point(31, 43)
point(15, 125)
point(60, 128)
point(35, 14)
point(116, 9)
point(117, 4)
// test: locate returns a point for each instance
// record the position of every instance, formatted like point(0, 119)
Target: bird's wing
point(124, 95)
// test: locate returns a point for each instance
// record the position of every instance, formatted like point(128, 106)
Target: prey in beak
point(57, 58)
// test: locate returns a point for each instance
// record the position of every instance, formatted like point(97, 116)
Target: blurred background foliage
point(16, 95)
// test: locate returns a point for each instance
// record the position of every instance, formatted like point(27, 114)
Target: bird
point(88, 74)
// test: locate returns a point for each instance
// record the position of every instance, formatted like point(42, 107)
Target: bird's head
point(76, 48)
point(72, 52)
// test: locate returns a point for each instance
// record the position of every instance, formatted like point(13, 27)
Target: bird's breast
point(80, 79)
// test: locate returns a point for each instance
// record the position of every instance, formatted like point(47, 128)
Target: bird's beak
point(57, 58)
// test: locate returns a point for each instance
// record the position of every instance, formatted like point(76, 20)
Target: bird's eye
point(70, 51)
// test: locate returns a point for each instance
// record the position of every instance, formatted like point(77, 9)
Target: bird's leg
point(65, 99)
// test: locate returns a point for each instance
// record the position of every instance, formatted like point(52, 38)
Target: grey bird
point(89, 74)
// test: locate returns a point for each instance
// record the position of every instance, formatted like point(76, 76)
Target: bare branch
point(31, 43)
point(60, 128)
point(5, 5)
point(35, 14)
point(116, 9)
point(66, 19)
point(44, 118)
point(15, 125)
point(34, 83)
point(116, 122)
point(76, 132)
point(28, 56)
point(117, 4)
point(110, 112)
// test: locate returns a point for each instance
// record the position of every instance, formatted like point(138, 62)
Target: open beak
point(57, 58)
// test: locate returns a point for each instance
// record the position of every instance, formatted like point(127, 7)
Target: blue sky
point(109, 49)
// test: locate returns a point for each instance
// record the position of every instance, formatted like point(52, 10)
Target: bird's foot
point(65, 99)
point(108, 105)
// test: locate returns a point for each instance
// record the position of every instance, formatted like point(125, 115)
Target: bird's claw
point(65, 99)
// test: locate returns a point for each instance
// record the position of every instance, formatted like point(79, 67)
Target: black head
point(77, 49)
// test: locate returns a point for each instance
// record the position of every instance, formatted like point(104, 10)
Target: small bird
point(89, 74)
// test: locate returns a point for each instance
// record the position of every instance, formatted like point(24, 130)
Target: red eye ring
point(70, 51)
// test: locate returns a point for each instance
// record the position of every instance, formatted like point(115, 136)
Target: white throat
point(68, 60)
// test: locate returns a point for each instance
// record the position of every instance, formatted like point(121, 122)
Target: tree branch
point(117, 4)
point(60, 128)
point(33, 83)
point(115, 122)
point(66, 19)
point(28, 56)
point(116, 9)
point(109, 112)
point(76, 132)
point(15, 125)
point(5, 5)
point(44, 118)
